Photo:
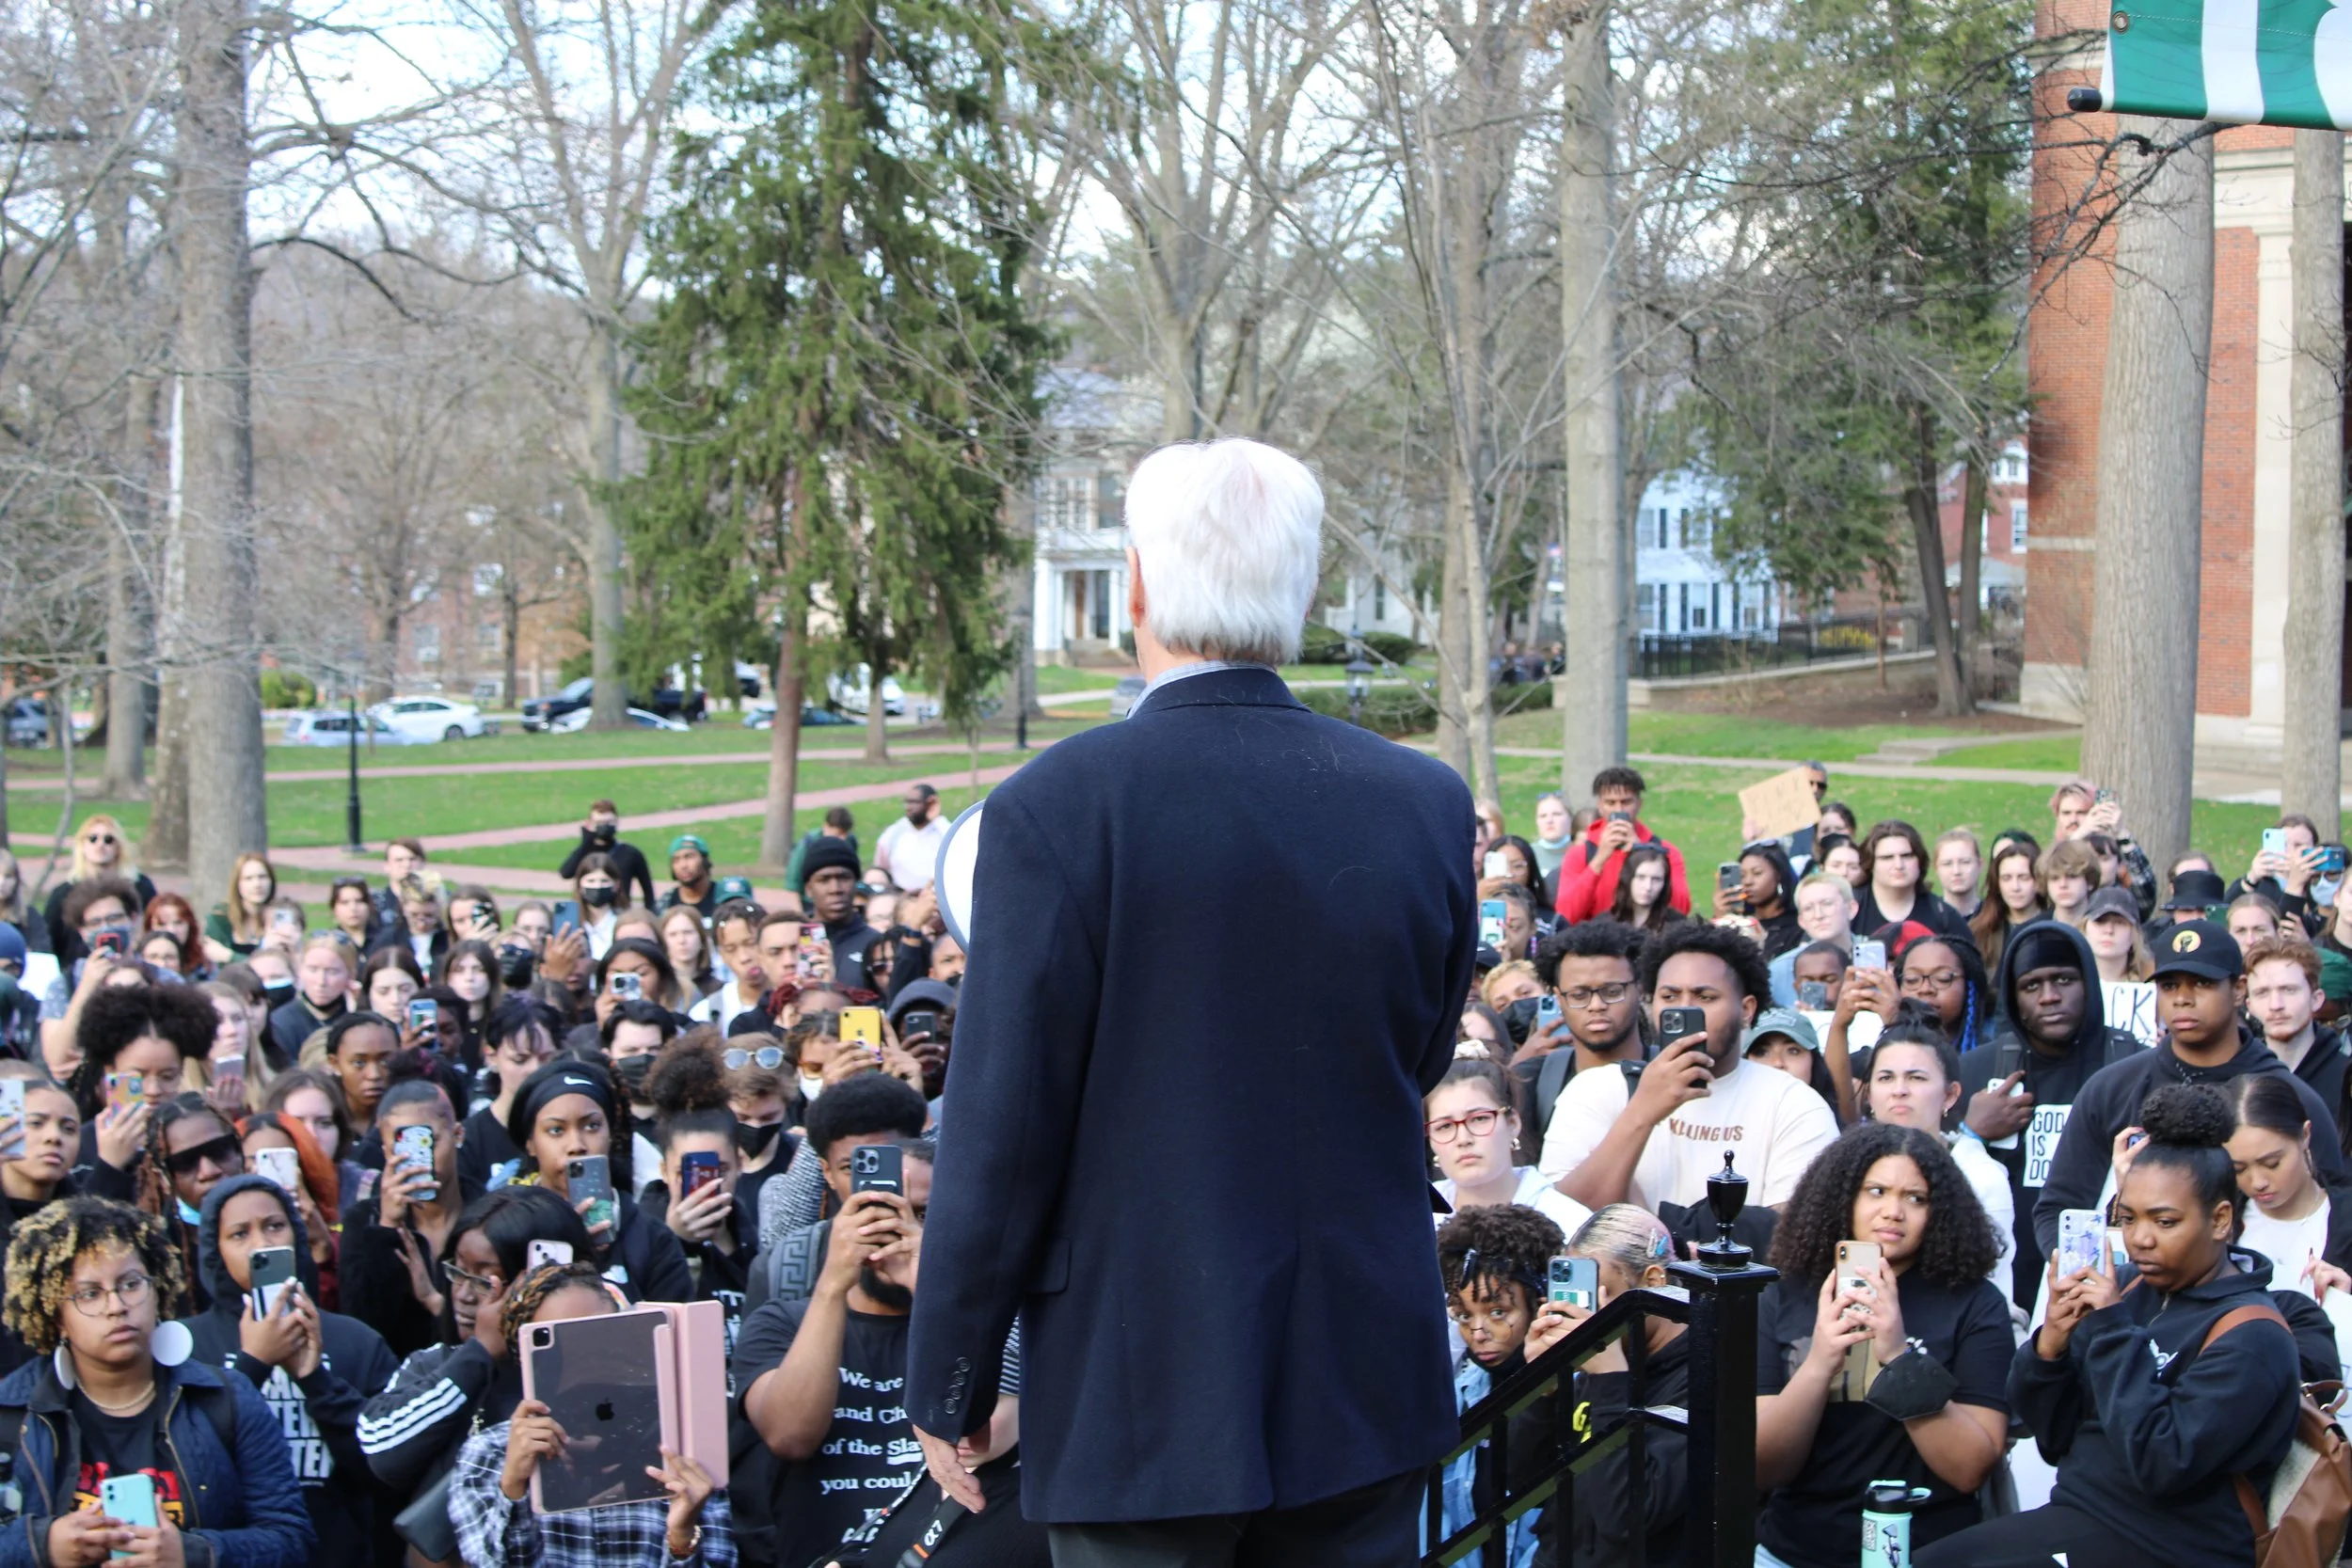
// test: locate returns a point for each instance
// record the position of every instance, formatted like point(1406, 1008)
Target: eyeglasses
point(1604, 996)
point(1446, 1129)
point(473, 1285)
point(768, 1057)
point(90, 1300)
point(222, 1151)
point(100, 838)
point(1936, 979)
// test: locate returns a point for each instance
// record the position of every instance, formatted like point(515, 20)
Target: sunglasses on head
point(221, 1152)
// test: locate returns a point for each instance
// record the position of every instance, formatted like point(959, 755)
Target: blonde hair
point(12, 907)
point(124, 866)
point(1627, 1234)
point(1516, 969)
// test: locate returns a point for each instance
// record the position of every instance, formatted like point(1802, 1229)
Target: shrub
point(1389, 711)
point(1321, 644)
point(284, 688)
point(1392, 646)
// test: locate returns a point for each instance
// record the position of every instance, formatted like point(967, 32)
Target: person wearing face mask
point(315, 1369)
point(869, 1109)
point(632, 1034)
point(599, 896)
point(756, 1067)
point(600, 835)
point(516, 1039)
point(19, 1008)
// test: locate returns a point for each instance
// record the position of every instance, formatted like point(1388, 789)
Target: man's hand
point(847, 1250)
point(1543, 1039)
point(2106, 816)
point(1997, 1113)
point(2303, 870)
point(1679, 1074)
point(398, 1191)
point(1616, 837)
point(946, 1466)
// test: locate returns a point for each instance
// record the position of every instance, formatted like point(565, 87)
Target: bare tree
point(2311, 780)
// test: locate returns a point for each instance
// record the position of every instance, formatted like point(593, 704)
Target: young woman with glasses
point(109, 1394)
point(1471, 1128)
point(101, 849)
point(1947, 975)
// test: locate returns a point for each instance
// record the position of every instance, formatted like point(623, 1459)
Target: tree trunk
point(165, 846)
point(1593, 620)
point(125, 776)
point(4, 807)
point(610, 704)
point(1478, 713)
point(228, 814)
point(1927, 532)
point(1456, 641)
point(2140, 715)
point(2311, 780)
point(777, 831)
point(876, 715)
point(512, 630)
point(1972, 501)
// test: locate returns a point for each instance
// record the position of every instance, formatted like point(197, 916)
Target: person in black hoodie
point(2201, 986)
point(314, 1368)
point(567, 1111)
point(689, 1092)
point(2024, 1082)
point(2152, 1400)
point(830, 895)
point(1631, 1249)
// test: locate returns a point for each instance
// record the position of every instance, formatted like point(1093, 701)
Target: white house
point(1097, 427)
point(1680, 587)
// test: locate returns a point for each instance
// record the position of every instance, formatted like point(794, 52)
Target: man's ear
point(1747, 1011)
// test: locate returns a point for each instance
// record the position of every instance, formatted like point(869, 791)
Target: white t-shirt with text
point(1769, 1123)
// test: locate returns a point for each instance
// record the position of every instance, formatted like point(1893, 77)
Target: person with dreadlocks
point(1925, 1402)
point(113, 1394)
point(193, 1151)
point(1493, 1259)
point(489, 1495)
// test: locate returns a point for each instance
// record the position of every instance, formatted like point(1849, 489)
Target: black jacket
point(1601, 1509)
point(629, 864)
point(412, 1429)
point(64, 940)
point(372, 1277)
point(345, 1501)
point(2147, 1429)
point(2110, 1102)
point(2324, 1067)
point(293, 1023)
point(1926, 910)
point(1292, 1358)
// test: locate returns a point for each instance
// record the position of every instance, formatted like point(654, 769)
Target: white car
point(333, 727)
point(849, 692)
point(576, 721)
point(424, 718)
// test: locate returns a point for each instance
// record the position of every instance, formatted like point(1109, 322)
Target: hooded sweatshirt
point(2111, 1100)
point(318, 1414)
point(2053, 1082)
point(2147, 1428)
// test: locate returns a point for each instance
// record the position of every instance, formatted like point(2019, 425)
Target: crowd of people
point(1904, 1044)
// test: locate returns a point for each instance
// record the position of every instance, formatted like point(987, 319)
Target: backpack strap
point(1551, 1076)
point(2256, 1507)
point(1632, 1072)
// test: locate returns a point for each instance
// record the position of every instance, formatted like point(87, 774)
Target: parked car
point(847, 692)
point(576, 721)
point(762, 715)
point(541, 712)
point(332, 727)
point(431, 717)
point(27, 721)
point(1125, 695)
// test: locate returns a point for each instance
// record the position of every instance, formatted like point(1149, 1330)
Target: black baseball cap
point(2201, 947)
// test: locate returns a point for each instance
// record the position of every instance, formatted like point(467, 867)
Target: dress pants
point(1373, 1526)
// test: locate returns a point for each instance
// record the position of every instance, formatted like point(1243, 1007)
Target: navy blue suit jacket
point(1219, 953)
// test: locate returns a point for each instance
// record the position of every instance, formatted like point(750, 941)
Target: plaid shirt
point(495, 1532)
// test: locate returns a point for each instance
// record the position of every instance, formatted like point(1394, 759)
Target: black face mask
point(1519, 1017)
point(632, 1071)
point(278, 996)
point(595, 898)
point(753, 1141)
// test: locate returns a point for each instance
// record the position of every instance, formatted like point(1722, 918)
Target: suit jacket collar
point(1245, 686)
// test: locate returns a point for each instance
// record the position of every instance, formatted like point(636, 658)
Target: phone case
point(611, 1378)
point(698, 1331)
point(863, 1024)
point(695, 1172)
point(1862, 1360)
point(282, 1166)
point(592, 1179)
point(272, 1270)
point(540, 1255)
point(415, 1144)
point(2081, 1234)
point(12, 1104)
point(131, 1499)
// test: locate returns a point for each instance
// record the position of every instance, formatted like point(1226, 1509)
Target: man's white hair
point(1229, 535)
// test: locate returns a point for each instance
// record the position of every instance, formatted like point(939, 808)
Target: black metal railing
point(1670, 656)
point(1715, 1298)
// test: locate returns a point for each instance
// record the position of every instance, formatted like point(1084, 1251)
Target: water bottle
point(1886, 1523)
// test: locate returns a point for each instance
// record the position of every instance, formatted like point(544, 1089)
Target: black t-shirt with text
point(1814, 1521)
point(124, 1446)
point(870, 1453)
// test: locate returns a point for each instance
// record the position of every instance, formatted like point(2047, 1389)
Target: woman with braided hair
point(113, 1394)
point(1493, 1259)
point(489, 1495)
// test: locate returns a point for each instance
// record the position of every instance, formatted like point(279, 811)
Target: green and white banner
point(2248, 62)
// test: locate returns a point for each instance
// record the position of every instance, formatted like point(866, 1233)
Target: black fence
point(1716, 1298)
point(1672, 656)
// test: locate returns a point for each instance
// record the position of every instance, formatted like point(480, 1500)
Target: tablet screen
point(599, 1377)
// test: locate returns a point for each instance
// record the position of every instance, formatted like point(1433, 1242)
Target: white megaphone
point(957, 858)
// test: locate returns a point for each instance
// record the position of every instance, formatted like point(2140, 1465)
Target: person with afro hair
point(138, 1046)
point(2156, 1404)
point(694, 1195)
point(1493, 1260)
point(1654, 1137)
point(1882, 1349)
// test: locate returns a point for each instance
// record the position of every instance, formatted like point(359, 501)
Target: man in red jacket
point(1588, 873)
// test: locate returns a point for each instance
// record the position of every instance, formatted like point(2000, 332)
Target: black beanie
point(2043, 946)
point(826, 853)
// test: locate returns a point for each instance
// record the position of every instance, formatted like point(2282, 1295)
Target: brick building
point(2243, 584)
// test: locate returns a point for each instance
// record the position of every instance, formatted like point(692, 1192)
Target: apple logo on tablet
point(604, 1410)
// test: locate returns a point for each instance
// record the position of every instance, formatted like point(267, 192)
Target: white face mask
point(811, 1087)
point(2324, 891)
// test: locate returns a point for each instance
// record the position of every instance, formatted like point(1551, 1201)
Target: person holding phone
point(101, 851)
point(1928, 1404)
point(314, 1368)
point(2283, 871)
point(567, 1112)
point(107, 1398)
point(695, 1195)
point(2147, 1411)
point(1592, 868)
point(279, 1134)
point(1766, 891)
point(489, 1494)
point(518, 1038)
point(1629, 1248)
point(1492, 1262)
point(393, 1236)
point(135, 1047)
point(102, 911)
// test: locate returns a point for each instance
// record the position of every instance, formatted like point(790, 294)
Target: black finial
point(1726, 1194)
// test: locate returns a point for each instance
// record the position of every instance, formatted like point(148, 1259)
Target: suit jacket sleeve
point(1024, 1036)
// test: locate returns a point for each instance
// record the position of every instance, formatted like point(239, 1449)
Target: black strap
point(1551, 1076)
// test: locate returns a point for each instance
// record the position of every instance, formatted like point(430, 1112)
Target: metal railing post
point(1723, 1284)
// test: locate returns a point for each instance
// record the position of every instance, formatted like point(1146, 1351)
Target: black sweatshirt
point(2147, 1430)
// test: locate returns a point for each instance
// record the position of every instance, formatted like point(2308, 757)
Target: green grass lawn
point(2056, 753)
point(1723, 735)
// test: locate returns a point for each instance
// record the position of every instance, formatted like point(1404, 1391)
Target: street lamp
point(1358, 684)
point(350, 752)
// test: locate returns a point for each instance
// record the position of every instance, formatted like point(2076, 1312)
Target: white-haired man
point(1197, 1171)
